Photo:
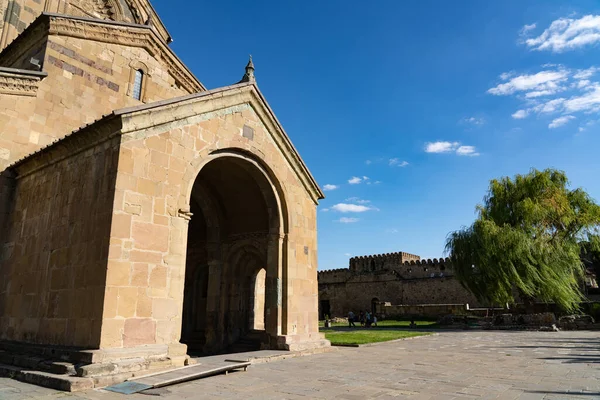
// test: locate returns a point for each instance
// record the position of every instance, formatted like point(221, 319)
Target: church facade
point(141, 213)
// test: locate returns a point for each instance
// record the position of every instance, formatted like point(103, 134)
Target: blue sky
point(427, 99)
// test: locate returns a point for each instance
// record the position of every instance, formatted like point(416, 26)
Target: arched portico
point(236, 230)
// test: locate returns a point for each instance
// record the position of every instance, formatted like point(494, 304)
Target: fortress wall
point(409, 282)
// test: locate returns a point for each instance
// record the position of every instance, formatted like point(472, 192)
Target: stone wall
point(390, 278)
point(87, 77)
point(53, 261)
point(388, 310)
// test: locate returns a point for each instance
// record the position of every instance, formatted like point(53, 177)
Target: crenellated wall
point(398, 278)
point(380, 262)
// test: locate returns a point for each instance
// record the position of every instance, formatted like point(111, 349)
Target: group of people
point(366, 319)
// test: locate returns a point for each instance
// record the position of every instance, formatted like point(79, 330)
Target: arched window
point(137, 84)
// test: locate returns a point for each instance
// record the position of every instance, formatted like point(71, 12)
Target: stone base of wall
point(302, 342)
point(72, 369)
point(422, 310)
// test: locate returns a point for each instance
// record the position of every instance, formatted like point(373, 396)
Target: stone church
point(140, 213)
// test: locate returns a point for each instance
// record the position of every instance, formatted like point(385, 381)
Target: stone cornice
point(19, 82)
point(126, 34)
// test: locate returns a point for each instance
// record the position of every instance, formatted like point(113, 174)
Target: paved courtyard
point(452, 365)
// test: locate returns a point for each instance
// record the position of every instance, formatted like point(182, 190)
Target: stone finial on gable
point(249, 75)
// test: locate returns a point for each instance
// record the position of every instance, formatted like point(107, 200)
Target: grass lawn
point(387, 324)
point(364, 336)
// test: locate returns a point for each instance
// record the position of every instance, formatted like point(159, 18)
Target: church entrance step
point(54, 381)
point(68, 376)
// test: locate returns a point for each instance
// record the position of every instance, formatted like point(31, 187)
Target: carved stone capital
point(185, 214)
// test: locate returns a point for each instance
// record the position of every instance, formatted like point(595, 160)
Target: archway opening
point(374, 304)
point(257, 321)
point(231, 260)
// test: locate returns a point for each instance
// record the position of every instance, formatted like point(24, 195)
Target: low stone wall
point(425, 310)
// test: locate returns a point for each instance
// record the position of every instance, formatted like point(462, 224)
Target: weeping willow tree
point(526, 240)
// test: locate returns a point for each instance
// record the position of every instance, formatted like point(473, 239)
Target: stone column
point(176, 261)
point(274, 286)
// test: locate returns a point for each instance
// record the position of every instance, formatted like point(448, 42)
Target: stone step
point(46, 379)
point(27, 361)
point(57, 367)
point(66, 376)
point(124, 366)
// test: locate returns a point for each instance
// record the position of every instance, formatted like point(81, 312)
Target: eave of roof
point(24, 72)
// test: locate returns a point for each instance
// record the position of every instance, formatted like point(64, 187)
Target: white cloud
point(346, 220)
point(325, 209)
point(376, 182)
point(542, 84)
point(355, 180)
point(440, 147)
point(588, 102)
point(392, 231)
point(582, 84)
point(357, 200)
point(368, 162)
point(560, 121)
point(583, 93)
point(348, 254)
point(586, 73)
point(395, 162)
point(365, 178)
point(520, 114)
point(329, 187)
point(467, 151)
point(525, 30)
point(473, 121)
point(450, 147)
point(550, 106)
point(353, 208)
point(568, 34)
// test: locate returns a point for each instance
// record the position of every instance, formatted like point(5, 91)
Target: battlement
point(429, 261)
point(379, 262)
point(387, 256)
point(332, 271)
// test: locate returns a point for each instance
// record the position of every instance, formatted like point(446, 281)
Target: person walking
point(351, 319)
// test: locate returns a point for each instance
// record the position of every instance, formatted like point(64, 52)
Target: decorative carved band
point(18, 85)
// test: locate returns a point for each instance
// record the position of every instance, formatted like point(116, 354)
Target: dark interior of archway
point(227, 249)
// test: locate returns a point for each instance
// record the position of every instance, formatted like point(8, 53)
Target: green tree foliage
point(526, 239)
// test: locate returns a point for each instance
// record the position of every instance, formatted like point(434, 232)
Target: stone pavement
point(453, 365)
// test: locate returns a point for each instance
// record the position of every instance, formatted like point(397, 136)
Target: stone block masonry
point(396, 278)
